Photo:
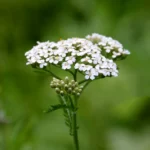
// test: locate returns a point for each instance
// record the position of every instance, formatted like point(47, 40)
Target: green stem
point(70, 72)
point(51, 73)
point(75, 134)
point(75, 75)
point(83, 81)
point(66, 109)
point(74, 122)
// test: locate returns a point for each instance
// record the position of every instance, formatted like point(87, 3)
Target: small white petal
point(87, 77)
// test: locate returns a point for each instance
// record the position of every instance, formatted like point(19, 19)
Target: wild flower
point(94, 56)
point(83, 55)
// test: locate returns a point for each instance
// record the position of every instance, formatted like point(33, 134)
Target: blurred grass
point(105, 117)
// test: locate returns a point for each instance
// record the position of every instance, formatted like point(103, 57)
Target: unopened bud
point(73, 86)
point(70, 84)
point(81, 87)
point(62, 82)
point(52, 85)
point(66, 86)
point(70, 89)
point(74, 92)
point(78, 94)
point(66, 79)
point(57, 90)
point(79, 90)
point(72, 81)
point(76, 89)
point(76, 83)
point(61, 92)
point(57, 85)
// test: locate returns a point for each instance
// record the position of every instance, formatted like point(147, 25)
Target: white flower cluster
point(76, 53)
point(109, 45)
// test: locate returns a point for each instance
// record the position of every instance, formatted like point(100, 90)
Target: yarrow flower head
point(111, 47)
point(84, 55)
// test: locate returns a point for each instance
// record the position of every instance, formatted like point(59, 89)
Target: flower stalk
point(75, 127)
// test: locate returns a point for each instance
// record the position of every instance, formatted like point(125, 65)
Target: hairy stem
point(75, 132)
point(74, 122)
point(67, 109)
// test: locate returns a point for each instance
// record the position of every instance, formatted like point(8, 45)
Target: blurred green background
point(114, 113)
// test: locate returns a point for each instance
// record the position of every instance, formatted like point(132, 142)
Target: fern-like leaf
point(55, 107)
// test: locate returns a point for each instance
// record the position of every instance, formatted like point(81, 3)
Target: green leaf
point(55, 107)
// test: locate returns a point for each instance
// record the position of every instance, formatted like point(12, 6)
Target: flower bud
point(73, 92)
point(76, 89)
point(70, 90)
point(78, 94)
point(57, 90)
point(66, 86)
point(79, 90)
point(81, 87)
point(72, 81)
point(66, 79)
point(73, 86)
point(52, 85)
point(76, 83)
point(62, 83)
point(61, 93)
point(70, 84)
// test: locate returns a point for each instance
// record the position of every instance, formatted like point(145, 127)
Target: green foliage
point(56, 107)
